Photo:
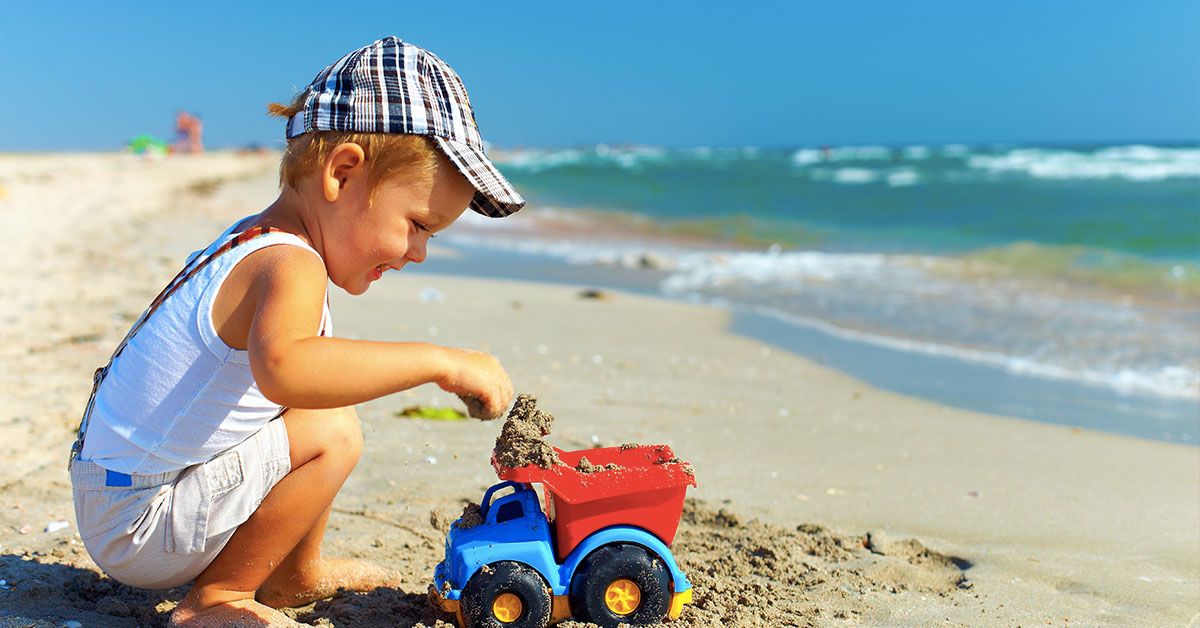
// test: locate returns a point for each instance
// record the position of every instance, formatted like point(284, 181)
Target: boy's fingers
point(477, 409)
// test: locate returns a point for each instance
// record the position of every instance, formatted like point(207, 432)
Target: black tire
point(606, 566)
point(506, 577)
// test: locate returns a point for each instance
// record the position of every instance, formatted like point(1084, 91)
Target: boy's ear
point(346, 162)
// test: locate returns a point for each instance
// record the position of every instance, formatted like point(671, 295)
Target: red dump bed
point(647, 492)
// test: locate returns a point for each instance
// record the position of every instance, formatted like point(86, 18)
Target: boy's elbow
point(272, 369)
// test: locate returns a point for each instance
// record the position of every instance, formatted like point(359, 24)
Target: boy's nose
point(416, 252)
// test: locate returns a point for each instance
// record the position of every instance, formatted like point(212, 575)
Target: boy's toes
point(333, 574)
point(239, 613)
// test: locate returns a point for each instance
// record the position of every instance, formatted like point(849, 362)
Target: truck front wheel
point(506, 595)
point(621, 584)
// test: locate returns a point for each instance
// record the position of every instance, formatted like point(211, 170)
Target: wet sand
point(811, 483)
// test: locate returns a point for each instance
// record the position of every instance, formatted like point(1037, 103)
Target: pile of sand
point(687, 466)
point(472, 515)
point(521, 441)
point(751, 573)
point(587, 466)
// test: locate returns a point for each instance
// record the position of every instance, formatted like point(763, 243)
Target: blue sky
point(90, 75)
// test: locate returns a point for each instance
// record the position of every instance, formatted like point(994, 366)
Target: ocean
point(1079, 264)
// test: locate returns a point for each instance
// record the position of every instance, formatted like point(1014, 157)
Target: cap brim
point(494, 197)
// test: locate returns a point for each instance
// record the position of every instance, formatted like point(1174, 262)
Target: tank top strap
point(194, 264)
point(275, 238)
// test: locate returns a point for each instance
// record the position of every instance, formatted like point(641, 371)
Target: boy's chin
point(356, 288)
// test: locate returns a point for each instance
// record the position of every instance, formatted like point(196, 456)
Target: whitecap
point(1135, 163)
point(806, 156)
point(902, 177)
point(854, 175)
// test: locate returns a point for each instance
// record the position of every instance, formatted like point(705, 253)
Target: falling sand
point(521, 442)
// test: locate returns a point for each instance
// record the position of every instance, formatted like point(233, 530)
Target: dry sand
point(822, 501)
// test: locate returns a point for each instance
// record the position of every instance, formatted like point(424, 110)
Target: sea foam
point(1137, 163)
point(928, 304)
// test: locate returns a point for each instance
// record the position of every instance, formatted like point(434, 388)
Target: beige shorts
point(160, 531)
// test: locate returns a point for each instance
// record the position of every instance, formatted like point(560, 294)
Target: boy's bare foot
point(235, 613)
point(331, 574)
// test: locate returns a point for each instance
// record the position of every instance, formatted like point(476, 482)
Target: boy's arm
point(298, 369)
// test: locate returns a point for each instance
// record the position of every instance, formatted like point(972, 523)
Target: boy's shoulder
point(271, 280)
point(281, 265)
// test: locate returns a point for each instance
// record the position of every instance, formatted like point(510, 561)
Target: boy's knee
point(332, 434)
point(343, 434)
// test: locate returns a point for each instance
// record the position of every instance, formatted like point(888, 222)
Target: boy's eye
point(421, 227)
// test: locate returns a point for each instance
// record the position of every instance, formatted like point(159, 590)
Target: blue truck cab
point(503, 572)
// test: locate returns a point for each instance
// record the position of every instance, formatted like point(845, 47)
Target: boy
point(223, 427)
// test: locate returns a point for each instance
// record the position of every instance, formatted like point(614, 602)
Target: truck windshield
point(509, 511)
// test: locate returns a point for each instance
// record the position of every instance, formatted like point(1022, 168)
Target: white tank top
point(177, 395)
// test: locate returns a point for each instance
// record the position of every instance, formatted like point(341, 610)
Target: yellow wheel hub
point(507, 607)
point(623, 596)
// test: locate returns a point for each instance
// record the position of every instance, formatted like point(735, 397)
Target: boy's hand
point(480, 381)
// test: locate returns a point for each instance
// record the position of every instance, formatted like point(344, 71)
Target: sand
point(587, 466)
point(821, 501)
point(471, 516)
point(522, 439)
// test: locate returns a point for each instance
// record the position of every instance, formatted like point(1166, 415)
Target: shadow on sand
point(40, 591)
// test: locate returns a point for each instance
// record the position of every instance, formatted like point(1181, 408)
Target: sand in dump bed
point(521, 439)
point(745, 573)
point(587, 466)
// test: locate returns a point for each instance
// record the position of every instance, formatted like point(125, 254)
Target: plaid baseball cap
point(391, 86)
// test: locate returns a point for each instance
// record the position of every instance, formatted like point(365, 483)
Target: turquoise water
point(1068, 263)
point(1104, 206)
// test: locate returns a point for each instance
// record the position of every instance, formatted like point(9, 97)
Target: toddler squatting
point(223, 426)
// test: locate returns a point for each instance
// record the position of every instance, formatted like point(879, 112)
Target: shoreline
point(938, 378)
point(1046, 524)
point(967, 308)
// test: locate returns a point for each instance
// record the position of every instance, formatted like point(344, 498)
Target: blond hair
point(387, 154)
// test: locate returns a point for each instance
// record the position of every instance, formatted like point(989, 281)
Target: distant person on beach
point(189, 133)
point(223, 427)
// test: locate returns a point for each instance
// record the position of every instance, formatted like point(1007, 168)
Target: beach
point(810, 481)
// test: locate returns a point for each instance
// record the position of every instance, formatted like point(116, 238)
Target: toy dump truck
point(599, 552)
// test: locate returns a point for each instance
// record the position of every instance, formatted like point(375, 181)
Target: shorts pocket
point(98, 512)
point(215, 497)
point(188, 520)
point(224, 472)
point(236, 492)
point(199, 493)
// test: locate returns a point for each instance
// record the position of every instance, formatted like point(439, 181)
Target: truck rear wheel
point(506, 595)
point(621, 584)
